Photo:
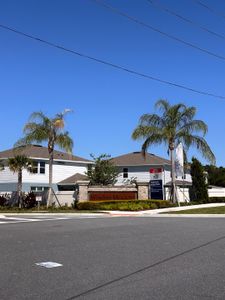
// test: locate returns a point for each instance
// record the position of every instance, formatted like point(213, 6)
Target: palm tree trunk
point(49, 201)
point(19, 187)
point(173, 177)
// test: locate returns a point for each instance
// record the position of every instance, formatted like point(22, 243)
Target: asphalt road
point(113, 258)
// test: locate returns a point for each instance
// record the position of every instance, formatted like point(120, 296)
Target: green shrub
point(130, 205)
point(216, 199)
point(154, 206)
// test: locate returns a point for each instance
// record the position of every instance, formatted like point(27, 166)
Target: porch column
point(83, 190)
point(143, 190)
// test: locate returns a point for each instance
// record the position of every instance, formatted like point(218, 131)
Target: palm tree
point(41, 128)
point(175, 124)
point(17, 164)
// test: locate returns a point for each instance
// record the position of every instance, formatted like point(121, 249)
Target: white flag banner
point(179, 160)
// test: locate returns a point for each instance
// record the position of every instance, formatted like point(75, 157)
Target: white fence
point(65, 198)
point(216, 192)
point(182, 193)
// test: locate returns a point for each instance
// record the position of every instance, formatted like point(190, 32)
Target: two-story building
point(68, 169)
point(65, 166)
point(153, 170)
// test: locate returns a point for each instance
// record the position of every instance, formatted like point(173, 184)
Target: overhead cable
point(162, 7)
point(104, 62)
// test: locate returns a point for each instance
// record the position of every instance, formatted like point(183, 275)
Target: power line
point(172, 37)
point(212, 10)
point(161, 7)
point(104, 62)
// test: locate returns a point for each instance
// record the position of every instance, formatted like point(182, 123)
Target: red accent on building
point(154, 171)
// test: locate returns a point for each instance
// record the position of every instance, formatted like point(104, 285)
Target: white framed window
point(38, 188)
point(38, 167)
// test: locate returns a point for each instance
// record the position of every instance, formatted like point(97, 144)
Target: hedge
point(131, 205)
point(216, 199)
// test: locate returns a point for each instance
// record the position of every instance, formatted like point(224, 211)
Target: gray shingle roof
point(137, 159)
point(36, 151)
point(72, 179)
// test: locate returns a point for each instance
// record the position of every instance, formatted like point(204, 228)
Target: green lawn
point(206, 210)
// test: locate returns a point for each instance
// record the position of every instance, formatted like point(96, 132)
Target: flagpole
point(179, 167)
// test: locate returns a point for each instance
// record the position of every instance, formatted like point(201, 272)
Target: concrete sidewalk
point(155, 212)
point(118, 213)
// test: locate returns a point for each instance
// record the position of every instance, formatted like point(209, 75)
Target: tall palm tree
point(41, 128)
point(175, 124)
point(17, 164)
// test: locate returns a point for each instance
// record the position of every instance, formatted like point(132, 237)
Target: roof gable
point(137, 159)
point(37, 151)
point(73, 179)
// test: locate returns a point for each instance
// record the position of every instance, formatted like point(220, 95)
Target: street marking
point(49, 264)
point(17, 219)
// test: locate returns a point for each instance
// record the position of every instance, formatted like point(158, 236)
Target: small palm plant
point(41, 128)
point(17, 164)
point(175, 124)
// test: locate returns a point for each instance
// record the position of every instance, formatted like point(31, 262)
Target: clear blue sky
point(107, 103)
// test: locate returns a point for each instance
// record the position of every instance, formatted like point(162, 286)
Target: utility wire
point(162, 7)
point(172, 37)
point(211, 9)
point(104, 62)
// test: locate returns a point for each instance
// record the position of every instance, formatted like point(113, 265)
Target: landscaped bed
point(95, 206)
point(124, 205)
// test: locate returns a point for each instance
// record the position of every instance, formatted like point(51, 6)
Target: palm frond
point(197, 126)
point(142, 132)
point(64, 141)
point(201, 144)
point(38, 115)
point(19, 162)
point(154, 139)
point(151, 120)
point(163, 105)
point(188, 114)
point(20, 144)
point(175, 124)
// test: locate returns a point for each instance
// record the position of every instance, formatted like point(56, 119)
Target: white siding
point(6, 176)
point(141, 173)
point(60, 172)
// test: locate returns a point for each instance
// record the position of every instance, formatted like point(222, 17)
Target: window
point(38, 188)
point(125, 172)
point(38, 167)
point(42, 167)
point(34, 167)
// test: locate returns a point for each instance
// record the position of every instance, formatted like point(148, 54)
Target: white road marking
point(49, 264)
point(23, 219)
point(14, 220)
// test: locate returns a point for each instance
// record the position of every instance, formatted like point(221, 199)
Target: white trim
point(63, 160)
